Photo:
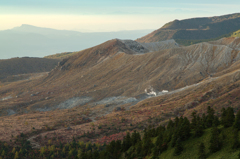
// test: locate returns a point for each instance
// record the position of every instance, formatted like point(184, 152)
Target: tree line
point(151, 142)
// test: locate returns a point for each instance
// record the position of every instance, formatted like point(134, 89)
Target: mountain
point(195, 29)
point(110, 70)
point(121, 85)
point(20, 68)
point(33, 41)
point(121, 72)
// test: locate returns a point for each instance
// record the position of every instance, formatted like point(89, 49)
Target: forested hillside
point(206, 136)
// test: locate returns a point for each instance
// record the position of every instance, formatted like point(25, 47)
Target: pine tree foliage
point(179, 148)
point(235, 139)
point(228, 117)
point(215, 141)
point(236, 123)
point(201, 151)
point(151, 143)
point(210, 117)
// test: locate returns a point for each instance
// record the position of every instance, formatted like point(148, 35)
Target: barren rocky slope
point(119, 73)
point(111, 84)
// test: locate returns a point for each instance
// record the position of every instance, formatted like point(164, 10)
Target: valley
point(104, 92)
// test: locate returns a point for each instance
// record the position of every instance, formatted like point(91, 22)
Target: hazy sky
point(107, 15)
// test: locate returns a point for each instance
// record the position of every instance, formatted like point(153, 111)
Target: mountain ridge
point(112, 83)
point(195, 28)
point(12, 69)
point(38, 42)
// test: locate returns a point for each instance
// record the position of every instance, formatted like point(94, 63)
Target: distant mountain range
point(33, 41)
point(195, 30)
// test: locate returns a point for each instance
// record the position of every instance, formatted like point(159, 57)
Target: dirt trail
point(35, 145)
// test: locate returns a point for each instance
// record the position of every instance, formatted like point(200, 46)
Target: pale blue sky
point(107, 15)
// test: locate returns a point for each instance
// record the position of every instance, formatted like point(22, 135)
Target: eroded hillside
point(119, 72)
point(116, 80)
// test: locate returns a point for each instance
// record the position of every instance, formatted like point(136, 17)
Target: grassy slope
point(191, 147)
point(236, 34)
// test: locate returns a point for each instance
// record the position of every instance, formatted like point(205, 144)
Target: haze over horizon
point(106, 15)
point(99, 21)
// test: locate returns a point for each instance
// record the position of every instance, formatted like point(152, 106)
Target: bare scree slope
point(118, 72)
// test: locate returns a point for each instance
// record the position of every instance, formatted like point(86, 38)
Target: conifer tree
point(83, 155)
point(139, 148)
point(110, 147)
point(198, 125)
point(198, 130)
point(89, 155)
point(194, 120)
point(223, 116)
point(160, 143)
point(201, 151)
point(170, 124)
point(235, 139)
point(180, 120)
point(204, 120)
point(95, 154)
point(176, 122)
point(178, 148)
point(155, 151)
point(147, 146)
point(216, 121)
point(126, 142)
point(174, 139)
point(236, 123)
point(16, 155)
point(135, 137)
point(160, 129)
point(13, 150)
point(215, 141)
point(3, 153)
point(159, 140)
point(79, 153)
point(163, 147)
point(185, 129)
point(210, 117)
point(118, 145)
point(230, 117)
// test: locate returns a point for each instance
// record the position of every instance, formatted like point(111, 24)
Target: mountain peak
point(24, 26)
point(27, 25)
point(195, 29)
